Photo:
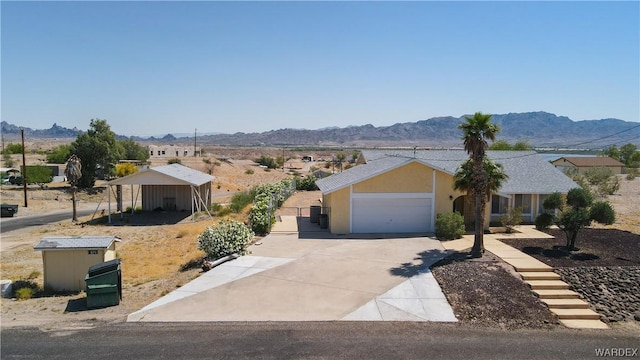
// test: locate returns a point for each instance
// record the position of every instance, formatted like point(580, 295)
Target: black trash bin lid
point(104, 267)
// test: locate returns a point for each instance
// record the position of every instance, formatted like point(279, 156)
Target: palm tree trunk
point(73, 199)
point(478, 239)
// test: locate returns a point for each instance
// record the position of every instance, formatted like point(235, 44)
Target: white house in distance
point(172, 151)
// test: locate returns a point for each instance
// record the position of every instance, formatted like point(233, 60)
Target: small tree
point(73, 172)
point(577, 212)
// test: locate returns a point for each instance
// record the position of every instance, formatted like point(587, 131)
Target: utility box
point(8, 210)
point(104, 284)
point(65, 260)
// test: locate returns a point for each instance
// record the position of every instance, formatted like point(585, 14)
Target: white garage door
point(391, 214)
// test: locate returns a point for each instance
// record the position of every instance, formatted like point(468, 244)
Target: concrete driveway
point(287, 278)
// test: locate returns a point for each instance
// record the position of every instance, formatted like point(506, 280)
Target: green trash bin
point(104, 284)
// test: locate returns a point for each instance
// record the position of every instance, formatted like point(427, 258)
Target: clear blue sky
point(151, 68)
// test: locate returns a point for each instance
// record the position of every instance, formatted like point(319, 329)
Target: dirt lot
point(160, 258)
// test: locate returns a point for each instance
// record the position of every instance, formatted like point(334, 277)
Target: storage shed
point(171, 187)
point(66, 259)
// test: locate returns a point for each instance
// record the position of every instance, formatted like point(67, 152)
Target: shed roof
point(528, 172)
point(75, 242)
point(591, 161)
point(173, 174)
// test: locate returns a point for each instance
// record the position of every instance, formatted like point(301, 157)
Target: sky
point(158, 67)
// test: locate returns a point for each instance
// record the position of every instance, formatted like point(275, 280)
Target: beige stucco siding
point(65, 270)
point(411, 178)
point(339, 204)
point(444, 189)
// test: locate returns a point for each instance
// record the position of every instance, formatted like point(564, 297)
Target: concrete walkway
point(288, 278)
point(572, 311)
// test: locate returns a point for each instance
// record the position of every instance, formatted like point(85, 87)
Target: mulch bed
point(605, 270)
point(483, 293)
point(595, 247)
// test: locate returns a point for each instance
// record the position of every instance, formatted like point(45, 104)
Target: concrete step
point(527, 267)
point(566, 303)
point(584, 324)
point(556, 294)
point(576, 314)
point(547, 284)
point(539, 275)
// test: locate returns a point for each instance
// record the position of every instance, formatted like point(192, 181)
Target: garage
point(392, 213)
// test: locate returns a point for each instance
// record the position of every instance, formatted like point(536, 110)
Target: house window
point(151, 152)
point(92, 252)
point(523, 201)
point(499, 204)
point(162, 152)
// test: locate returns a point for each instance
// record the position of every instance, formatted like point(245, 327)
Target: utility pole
point(195, 141)
point(24, 169)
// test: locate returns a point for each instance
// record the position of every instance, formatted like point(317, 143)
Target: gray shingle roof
point(176, 172)
point(75, 242)
point(528, 172)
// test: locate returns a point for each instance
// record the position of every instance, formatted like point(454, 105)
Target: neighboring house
point(584, 163)
point(172, 151)
point(403, 191)
point(171, 187)
point(66, 259)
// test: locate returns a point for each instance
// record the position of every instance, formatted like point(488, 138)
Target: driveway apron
point(291, 279)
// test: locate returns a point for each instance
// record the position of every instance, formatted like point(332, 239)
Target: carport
point(171, 187)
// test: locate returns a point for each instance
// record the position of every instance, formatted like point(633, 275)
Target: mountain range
point(539, 129)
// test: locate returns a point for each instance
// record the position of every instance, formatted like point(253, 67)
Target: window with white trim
point(522, 201)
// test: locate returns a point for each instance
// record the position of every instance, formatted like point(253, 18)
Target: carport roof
point(75, 242)
point(528, 172)
point(173, 174)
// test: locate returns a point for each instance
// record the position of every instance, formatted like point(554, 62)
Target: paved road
point(318, 340)
point(11, 224)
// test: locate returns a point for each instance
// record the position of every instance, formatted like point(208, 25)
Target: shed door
point(393, 214)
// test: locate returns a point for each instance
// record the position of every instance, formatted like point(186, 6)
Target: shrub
point(603, 213)
point(511, 219)
point(25, 289)
point(241, 199)
point(38, 174)
point(632, 174)
point(609, 187)
point(249, 172)
point(174, 161)
point(125, 169)
point(261, 216)
point(229, 237)
point(544, 221)
point(308, 183)
point(449, 226)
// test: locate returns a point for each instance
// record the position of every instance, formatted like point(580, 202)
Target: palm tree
point(495, 177)
point(73, 172)
point(476, 131)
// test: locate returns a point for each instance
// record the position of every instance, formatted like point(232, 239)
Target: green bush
point(261, 216)
point(603, 213)
point(241, 199)
point(308, 183)
point(25, 289)
point(511, 219)
point(544, 221)
point(229, 237)
point(174, 161)
point(59, 155)
point(249, 172)
point(449, 226)
point(38, 174)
